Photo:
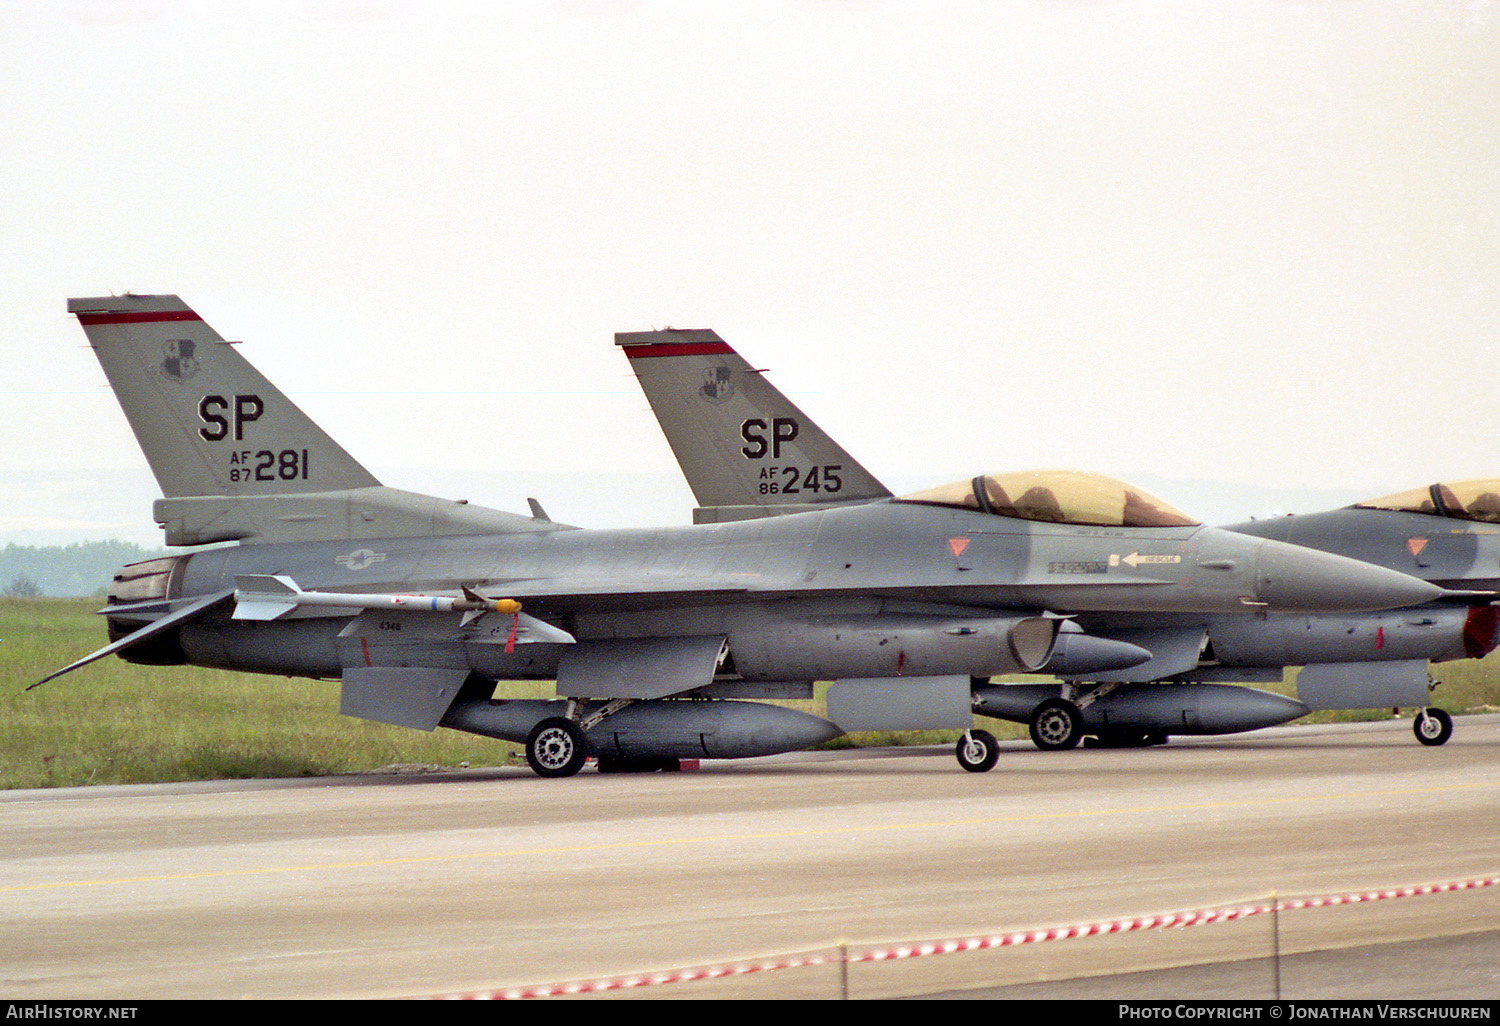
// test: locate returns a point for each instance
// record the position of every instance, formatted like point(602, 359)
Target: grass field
point(113, 723)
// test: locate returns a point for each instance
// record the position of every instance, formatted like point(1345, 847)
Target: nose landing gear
point(1432, 726)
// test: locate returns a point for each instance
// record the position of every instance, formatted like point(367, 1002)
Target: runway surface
point(390, 885)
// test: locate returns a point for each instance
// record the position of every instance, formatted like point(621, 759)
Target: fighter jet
point(1128, 677)
point(1448, 534)
point(659, 640)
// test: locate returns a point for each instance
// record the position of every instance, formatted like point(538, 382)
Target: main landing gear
point(559, 746)
point(556, 747)
point(1056, 725)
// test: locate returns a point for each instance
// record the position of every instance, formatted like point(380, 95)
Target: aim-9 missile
point(273, 596)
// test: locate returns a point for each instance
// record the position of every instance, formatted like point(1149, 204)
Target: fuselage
point(744, 579)
point(889, 550)
point(1449, 552)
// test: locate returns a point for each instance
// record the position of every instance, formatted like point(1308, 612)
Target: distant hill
point(85, 568)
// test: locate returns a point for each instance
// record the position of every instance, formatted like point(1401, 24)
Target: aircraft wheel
point(556, 747)
point(1056, 725)
point(977, 751)
point(1433, 726)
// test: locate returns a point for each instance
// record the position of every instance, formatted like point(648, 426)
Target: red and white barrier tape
point(919, 949)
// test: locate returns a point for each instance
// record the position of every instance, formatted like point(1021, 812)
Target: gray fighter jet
point(1448, 534)
point(1128, 677)
point(659, 640)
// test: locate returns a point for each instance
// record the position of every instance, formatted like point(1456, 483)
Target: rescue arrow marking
point(1135, 559)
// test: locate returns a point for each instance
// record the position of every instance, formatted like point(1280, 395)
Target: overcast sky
point(1255, 243)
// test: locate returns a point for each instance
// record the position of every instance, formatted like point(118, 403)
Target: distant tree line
point(86, 568)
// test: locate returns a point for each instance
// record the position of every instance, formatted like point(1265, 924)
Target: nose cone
point(1292, 577)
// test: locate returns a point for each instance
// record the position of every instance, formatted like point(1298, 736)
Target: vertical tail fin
point(235, 458)
point(208, 422)
point(744, 447)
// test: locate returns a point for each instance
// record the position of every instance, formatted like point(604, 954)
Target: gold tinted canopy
point(1057, 497)
point(1465, 500)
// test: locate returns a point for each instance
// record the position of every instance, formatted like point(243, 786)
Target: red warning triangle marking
point(1416, 545)
point(958, 545)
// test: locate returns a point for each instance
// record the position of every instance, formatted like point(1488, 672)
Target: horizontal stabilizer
point(151, 630)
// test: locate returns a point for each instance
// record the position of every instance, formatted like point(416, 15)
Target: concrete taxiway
point(399, 885)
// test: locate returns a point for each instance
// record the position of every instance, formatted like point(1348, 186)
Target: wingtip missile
point(270, 597)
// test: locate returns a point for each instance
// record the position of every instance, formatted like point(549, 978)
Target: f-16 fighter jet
point(1128, 676)
point(659, 640)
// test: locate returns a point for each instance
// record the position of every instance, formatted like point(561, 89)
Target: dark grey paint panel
point(406, 696)
point(1363, 685)
point(638, 667)
point(900, 703)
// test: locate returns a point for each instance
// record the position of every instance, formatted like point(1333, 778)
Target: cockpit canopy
point(1466, 500)
point(1057, 497)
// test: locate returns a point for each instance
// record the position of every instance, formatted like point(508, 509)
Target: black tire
point(556, 747)
point(1432, 726)
point(977, 751)
point(1056, 725)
